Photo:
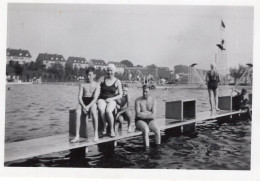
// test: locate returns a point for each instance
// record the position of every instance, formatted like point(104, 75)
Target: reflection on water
point(34, 111)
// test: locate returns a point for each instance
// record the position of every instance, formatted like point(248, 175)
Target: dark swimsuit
point(87, 101)
point(147, 121)
point(107, 91)
point(213, 80)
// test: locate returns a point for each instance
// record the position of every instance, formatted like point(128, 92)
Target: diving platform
point(46, 145)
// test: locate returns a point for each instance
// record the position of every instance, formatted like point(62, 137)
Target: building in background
point(49, 60)
point(96, 63)
point(78, 62)
point(18, 55)
point(120, 68)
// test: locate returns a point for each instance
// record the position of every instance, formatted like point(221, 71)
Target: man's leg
point(78, 115)
point(155, 128)
point(94, 114)
point(141, 125)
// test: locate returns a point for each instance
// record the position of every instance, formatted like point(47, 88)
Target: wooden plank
point(40, 146)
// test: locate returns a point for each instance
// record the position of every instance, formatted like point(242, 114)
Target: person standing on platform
point(145, 112)
point(212, 79)
point(110, 91)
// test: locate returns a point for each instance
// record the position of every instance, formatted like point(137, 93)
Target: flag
point(220, 47)
point(222, 24)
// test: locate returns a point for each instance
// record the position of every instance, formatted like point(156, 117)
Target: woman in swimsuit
point(212, 79)
point(110, 91)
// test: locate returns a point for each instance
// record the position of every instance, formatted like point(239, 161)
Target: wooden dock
point(41, 146)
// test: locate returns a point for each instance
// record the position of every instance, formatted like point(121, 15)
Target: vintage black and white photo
point(139, 86)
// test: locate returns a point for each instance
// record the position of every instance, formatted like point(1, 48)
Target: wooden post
point(83, 124)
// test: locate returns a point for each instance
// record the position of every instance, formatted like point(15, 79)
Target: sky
point(164, 35)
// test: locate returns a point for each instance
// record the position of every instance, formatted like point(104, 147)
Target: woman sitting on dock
point(110, 91)
point(212, 79)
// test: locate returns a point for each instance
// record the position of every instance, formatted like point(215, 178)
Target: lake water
point(38, 110)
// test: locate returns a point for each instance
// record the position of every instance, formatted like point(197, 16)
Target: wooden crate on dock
point(182, 109)
point(224, 103)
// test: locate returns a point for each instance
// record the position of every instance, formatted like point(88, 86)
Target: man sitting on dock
point(145, 111)
point(88, 95)
point(241, 101)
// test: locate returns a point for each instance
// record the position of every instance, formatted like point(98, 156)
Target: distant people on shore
point(123, 105)
point(212, 79)
point(88, 95)
point(145, 114)
point(110, 91)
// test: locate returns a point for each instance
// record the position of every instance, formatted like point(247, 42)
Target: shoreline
point(139, 85)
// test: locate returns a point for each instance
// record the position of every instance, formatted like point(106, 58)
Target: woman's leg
point(102, 109)
point(155, 128)
point(141, 125)
point(215, 92)
point(78, 115)
point(94, 114)
point(210, 99)
point(109, 113)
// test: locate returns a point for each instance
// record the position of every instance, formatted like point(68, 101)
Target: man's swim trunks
point(147, 121)
point(87, 101)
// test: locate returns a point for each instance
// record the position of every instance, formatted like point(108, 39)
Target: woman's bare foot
point(217, 109)
point(76, 139)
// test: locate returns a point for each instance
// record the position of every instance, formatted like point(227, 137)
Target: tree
point(236, 73)
point(18, 69)
point(39, 65)
point(57, 71)
point(151, 66)
point(31, 66)
point(127, 63)
point(139, 66)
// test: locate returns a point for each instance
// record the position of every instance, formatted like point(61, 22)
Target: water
point(34, 111)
